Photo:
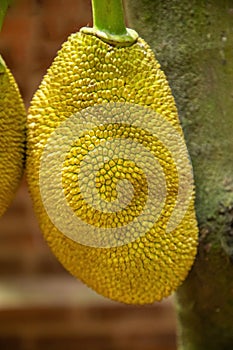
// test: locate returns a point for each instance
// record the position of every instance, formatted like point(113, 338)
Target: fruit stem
point(3, 8)
point(108, 16)
point(109, 23)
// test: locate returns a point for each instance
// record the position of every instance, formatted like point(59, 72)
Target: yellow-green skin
point(12, 137)
point(87, 72)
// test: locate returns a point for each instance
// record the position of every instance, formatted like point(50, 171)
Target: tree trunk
point(193, 40)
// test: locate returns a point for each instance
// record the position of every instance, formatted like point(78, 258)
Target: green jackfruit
point(75, 111)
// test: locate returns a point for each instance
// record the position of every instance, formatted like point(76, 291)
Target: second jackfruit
point(12, 136)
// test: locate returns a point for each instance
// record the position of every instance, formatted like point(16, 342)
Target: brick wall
point(41, 305)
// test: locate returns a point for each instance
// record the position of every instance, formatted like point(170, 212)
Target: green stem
point(109, 23)
point(3, 8)
point(108, 16)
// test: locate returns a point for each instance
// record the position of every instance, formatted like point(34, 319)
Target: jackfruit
point(103, 125)
point(13, 136)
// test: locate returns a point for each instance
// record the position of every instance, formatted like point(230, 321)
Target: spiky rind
point(85, 73)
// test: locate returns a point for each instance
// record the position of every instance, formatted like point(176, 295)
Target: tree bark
point(193, 41)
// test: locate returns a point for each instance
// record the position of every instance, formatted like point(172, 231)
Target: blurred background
point(41, 305)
